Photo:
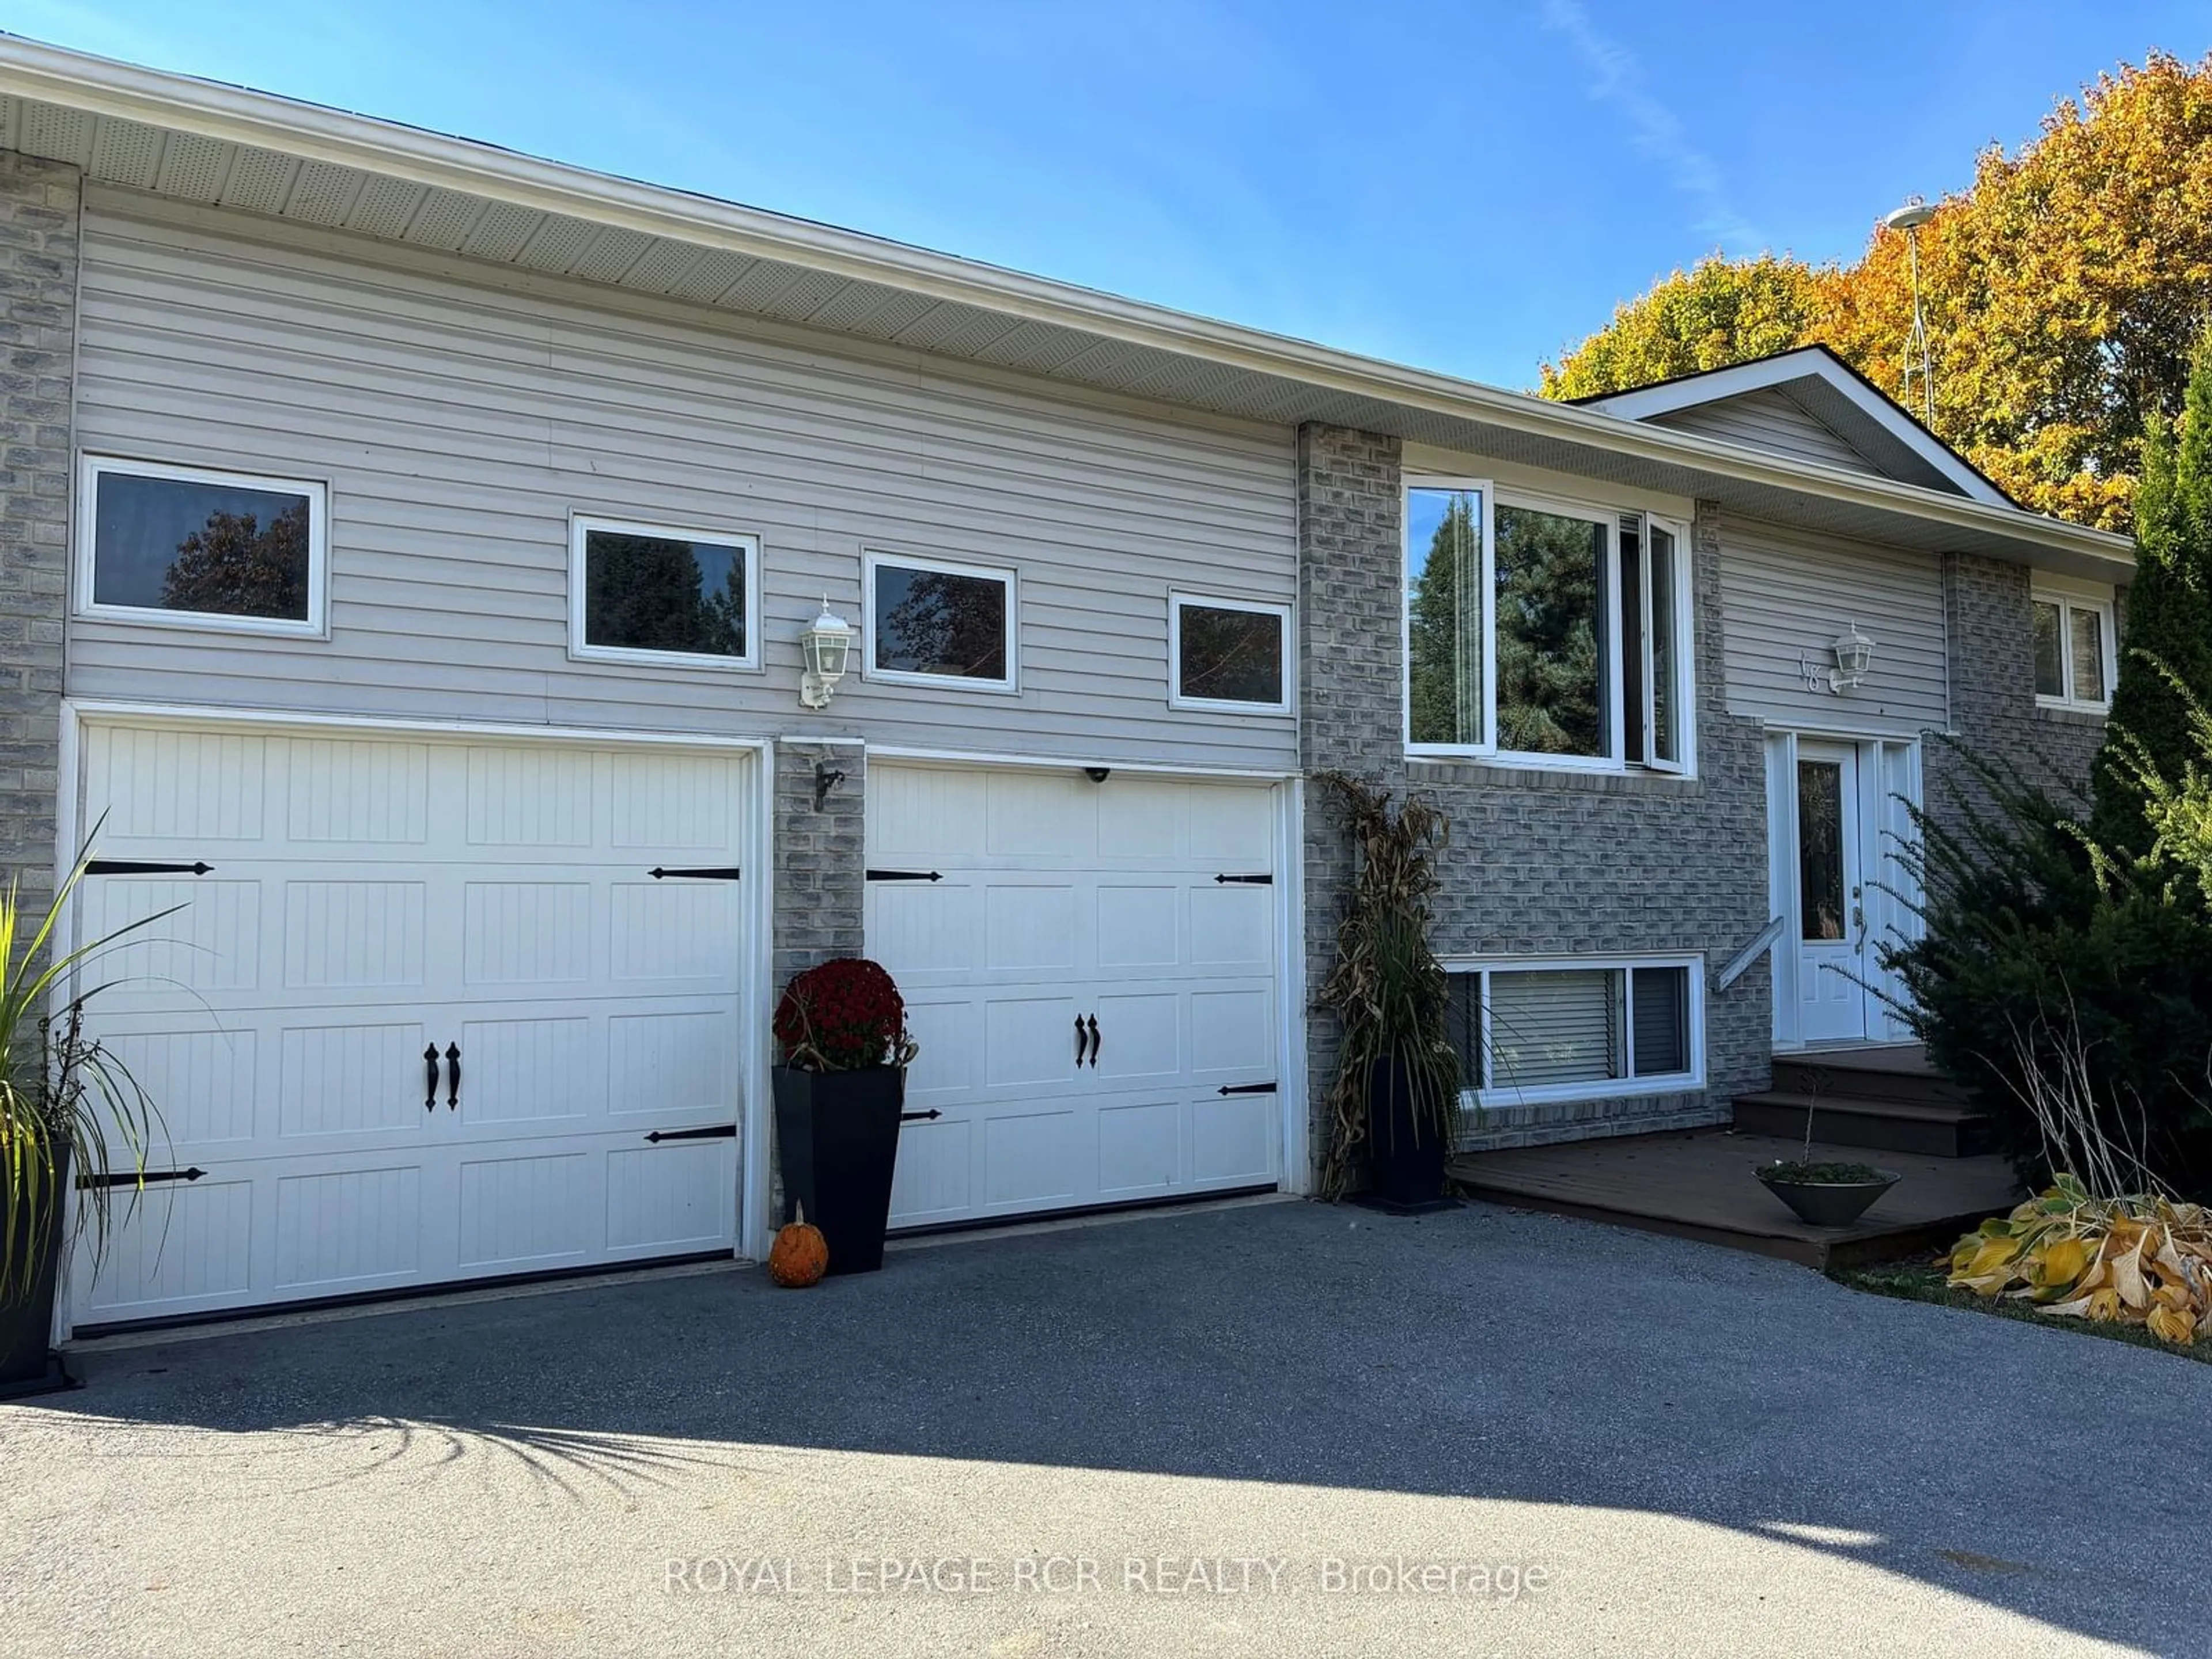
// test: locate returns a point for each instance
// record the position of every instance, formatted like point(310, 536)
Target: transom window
point(1544, 632)
point(1228, 654)
point(648, 592)
point(2073, 650)
point(937, 625)
point(1569, 1031)
point(200, 548)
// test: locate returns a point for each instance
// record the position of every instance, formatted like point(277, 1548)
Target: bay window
point(1544, 632)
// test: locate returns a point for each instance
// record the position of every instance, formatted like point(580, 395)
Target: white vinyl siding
point(1789, 593)
point(1770, 420)
point(460, 426)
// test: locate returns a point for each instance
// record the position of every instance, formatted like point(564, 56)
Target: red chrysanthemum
point(843, 1016)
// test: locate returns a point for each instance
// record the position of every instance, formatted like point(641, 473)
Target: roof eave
point(127, 91)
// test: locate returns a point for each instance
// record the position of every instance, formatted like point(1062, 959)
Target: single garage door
point(423, 1013)
point(1091, 971)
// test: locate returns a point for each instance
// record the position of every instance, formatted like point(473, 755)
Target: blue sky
point(1467, 187)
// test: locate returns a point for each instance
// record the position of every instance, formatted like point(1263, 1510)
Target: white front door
point(418, 1018)
point(1830, 923)
point(1090, 971)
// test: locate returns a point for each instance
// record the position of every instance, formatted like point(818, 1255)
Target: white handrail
point(1750, 953)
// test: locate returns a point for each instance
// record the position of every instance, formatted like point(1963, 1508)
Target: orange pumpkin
point(801, 1255)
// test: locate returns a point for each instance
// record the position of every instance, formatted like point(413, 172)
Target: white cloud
point(1653, 128)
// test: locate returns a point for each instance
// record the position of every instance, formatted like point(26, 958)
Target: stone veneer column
point(39, 214)
point(820, 886)
point(1539, 863)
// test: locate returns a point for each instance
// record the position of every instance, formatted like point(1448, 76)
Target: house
point(410, 547)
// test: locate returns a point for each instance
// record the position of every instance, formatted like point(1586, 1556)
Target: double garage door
point(1089, 969)
point(427, 1016)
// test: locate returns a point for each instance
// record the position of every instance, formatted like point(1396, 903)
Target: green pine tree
point(2169, 617)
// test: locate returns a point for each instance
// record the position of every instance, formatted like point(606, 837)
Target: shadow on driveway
point(1481, 1354)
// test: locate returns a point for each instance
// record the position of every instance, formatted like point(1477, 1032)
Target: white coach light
point(827, 645)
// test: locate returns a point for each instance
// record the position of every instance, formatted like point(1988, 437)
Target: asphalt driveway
point(1284, 1428)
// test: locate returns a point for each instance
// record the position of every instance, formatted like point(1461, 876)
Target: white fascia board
point(1805, 363)
point(104, 86)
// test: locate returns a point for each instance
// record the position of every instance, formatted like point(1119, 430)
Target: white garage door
point(1090, 972)
point(370, 900)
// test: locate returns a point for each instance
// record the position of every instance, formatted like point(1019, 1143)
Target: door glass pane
point(940, 622)
point(1660, 1000)
point(2050, 652)
point(1666, 743)
point(219, 549)
point(663, 593)
point(1820, 849)
point(1553, 1026)
point(2088, 655)
point(1443, 615)
point(1229, 655)
point(1552, 638)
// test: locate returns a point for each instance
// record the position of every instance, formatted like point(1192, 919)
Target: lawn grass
point(1921, 1278)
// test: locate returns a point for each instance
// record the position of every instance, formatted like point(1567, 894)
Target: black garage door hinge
point(715, 872)
point(919, 1117)
point(1249, 881)
point(132, 1177)
point(905, 875)
point(1246, 1088)
point(134, 868)
point(712, 1132)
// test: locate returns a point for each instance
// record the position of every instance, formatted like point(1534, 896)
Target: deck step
point(1931, 1128)
point(1867, 1075)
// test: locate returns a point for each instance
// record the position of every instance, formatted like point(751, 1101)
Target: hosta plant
point(2139, 1260)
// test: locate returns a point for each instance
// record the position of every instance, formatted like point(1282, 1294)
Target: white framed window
point(655, 593)
point(1531, 1031)
point(1545, 632)
point(931, 622)
point(192, 547)
point(1231, 654)
point(2076, 654)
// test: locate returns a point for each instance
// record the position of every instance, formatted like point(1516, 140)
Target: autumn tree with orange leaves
point(2063, 287)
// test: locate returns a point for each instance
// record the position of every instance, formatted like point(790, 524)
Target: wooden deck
point(1698, 1184)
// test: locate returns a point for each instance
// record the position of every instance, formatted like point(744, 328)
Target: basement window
point(191, 547)
point(1529, 1032)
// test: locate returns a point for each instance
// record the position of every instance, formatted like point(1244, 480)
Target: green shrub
point(2030, 924)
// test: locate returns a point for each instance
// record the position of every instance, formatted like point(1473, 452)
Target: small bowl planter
point(1827, 1195)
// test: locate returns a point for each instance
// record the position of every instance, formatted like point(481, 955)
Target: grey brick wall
point(1990, 631)
point(819, 880)
point(38, 213)
point(1539, 862)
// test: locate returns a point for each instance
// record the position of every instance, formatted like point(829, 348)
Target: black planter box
point(838, 1139)
point(27, 1365)
point(1405, 1158)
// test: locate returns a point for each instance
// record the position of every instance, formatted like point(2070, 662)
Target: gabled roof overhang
point(197, 141)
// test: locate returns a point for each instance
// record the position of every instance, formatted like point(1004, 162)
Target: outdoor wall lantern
point(827, 646)
point(1852, 652)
